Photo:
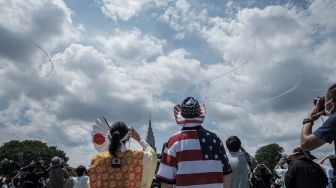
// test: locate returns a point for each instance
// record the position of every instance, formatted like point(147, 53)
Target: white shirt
point(240, 168)
point(81, 182)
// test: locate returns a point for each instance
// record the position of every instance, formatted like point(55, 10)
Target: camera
point(321, 99)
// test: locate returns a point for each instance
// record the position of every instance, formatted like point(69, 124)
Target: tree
point(16, 154)
point(269, 155)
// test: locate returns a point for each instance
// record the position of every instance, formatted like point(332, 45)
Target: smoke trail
point(49, 58)
point(287, 91)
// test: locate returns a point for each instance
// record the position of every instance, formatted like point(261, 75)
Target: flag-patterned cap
point(190, 108)
point(190, 113)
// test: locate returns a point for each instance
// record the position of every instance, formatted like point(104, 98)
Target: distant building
point(150, 135)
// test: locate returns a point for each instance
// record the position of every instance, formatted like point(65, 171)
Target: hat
point(299, 151)
point(190, 113)
point(56, 161)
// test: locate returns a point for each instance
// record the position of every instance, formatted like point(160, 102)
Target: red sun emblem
point(98, 139)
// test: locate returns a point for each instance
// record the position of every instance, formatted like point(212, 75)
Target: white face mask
point(328, 112)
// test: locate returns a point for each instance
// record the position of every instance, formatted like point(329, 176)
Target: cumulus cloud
point(48, 21)
point(183, 18)
point(125, 10)
point(131, 47)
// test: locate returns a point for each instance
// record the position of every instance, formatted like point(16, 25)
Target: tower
point(150, 135)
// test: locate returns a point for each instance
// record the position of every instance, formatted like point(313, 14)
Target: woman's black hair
point(117, 132)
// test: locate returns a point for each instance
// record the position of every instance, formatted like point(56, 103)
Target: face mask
point(328, 112)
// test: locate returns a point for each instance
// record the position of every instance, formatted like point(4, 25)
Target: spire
point(150, 135)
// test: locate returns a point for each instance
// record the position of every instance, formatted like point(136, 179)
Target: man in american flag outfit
point(193, 157)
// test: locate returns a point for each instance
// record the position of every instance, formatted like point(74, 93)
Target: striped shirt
point(194, 157)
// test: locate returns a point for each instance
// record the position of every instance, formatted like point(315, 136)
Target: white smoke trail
point(287, 91)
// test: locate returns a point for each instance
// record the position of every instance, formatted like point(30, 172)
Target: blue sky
point(257, 65)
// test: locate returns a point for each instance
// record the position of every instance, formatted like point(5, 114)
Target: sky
point(256, 64)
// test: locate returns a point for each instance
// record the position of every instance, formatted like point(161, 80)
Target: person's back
point(121, 167)
point(192, 165)
point(238, 162)
point(305, 173)
point(81, 182)
point(57, 177)
point(193, 157)
point(240, 173)
point(128, 175)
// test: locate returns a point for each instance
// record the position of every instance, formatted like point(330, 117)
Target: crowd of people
point(57, 175)
point(194, 157)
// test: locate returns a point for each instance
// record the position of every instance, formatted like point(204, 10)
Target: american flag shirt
point(193, 158)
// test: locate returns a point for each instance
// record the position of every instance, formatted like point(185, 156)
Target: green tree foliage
point(269, 155)
point(16, 154)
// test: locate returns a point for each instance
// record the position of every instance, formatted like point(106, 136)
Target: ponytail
point(115, 143)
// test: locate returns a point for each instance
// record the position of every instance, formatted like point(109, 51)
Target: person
point(193, 157)
point(280, 170)
point(30, 176)
point(327, 132)
point(81, 181)
point(57, 173)
point(303, 172)
point(328, 170)
point(262, 176)
point(121, 167)
point(239, 161)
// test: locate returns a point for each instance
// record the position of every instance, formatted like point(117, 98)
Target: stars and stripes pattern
point(194, 157)
point(189, 122)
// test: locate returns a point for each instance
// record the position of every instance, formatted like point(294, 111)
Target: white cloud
point(172, 73)
point(182, 17)
point(266, 35)
point(125, 10)
point(131, 47)
point(322, 15)
point(39, 21)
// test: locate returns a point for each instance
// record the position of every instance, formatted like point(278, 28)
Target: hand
point(134, 134)
point(314, 114)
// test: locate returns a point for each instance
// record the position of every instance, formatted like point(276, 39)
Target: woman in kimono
point(121, 167)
